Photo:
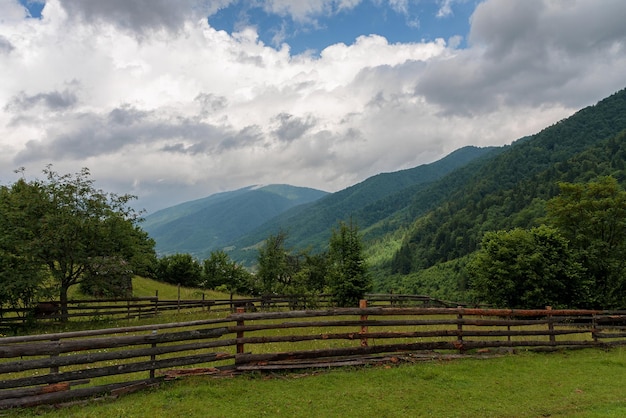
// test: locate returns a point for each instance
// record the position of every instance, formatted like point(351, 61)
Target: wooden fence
point(55, 368)
point(141, 307)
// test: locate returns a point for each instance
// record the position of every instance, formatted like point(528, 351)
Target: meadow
point(581, 383)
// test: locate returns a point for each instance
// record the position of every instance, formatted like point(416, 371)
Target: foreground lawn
point(585, 383)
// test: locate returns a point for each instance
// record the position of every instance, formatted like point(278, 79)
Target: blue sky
point(413, 22)
point(422, 20)
point(176, 100)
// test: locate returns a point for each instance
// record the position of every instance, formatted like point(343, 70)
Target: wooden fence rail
point(141, 307)
point(58, 367)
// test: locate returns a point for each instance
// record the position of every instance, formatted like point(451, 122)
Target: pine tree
point(348, 276)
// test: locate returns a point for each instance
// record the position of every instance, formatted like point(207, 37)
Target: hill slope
point(507, 191)
point(368, 202)
point(210, 223)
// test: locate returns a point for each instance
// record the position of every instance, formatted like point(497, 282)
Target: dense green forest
point(420, 236)
point(508, 191)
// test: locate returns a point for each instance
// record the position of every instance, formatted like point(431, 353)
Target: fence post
point(594, 327)
point(551, 325)
point(508, 328)
point(459, 327)
point(156, 302)
point(240, 333)
point(363, 305)
point(153, 356)
point(55, 353)
point(178, 302)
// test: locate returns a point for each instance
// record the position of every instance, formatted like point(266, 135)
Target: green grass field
point(584, 383)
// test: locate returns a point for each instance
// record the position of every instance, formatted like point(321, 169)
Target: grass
point(143, 287)
point(584, 383)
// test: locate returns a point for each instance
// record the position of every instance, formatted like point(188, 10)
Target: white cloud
point(158, 103)
point(307, 11)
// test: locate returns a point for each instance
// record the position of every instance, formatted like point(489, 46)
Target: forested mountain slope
point(202, 225)
point(509, 190)
point(376, 198)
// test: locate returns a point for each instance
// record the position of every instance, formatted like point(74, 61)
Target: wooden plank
point(610, 334)
point(108, 331)
point(77, 359)
point(411, 334)
point(113, 370)
point(19, 393)
point(384, 323)
point(65, 346)
point(384, 311)
point(57, 397)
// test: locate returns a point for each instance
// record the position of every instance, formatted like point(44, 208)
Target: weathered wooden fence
point(141, 307)
point(54, 368)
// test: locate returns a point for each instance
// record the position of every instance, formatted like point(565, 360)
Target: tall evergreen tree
point(347, 272)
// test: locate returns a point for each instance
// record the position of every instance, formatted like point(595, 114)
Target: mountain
point(508, 190)
point(376, 198)
point(210, 223)
point(421, 225)
point(418, 236)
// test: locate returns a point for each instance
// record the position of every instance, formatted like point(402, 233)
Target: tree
point(527, 269)
point(216, 269)
point(68, 223)
point(179, 269)
point(276, 266)
point(592, 217)
point(22, 276)
point(347, 272)
point(109, 277)
point(221, 271)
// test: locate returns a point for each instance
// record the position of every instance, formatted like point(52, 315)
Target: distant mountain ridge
point(212, 222)
point(377, 197)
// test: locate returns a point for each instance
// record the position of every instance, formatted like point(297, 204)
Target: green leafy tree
point(109, 277)
point(348, 277)
point(592, 216)
point(180, 269)
point(221, 272)
point(22, 275)
point(216, 269)
point(527, 269)
point(68, 222)
point(276, 266)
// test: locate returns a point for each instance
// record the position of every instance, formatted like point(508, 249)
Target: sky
point(177, 100)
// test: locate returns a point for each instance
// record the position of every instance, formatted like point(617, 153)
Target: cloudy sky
point(176, 100)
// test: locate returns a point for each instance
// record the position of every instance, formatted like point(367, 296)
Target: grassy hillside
point(143, 287)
